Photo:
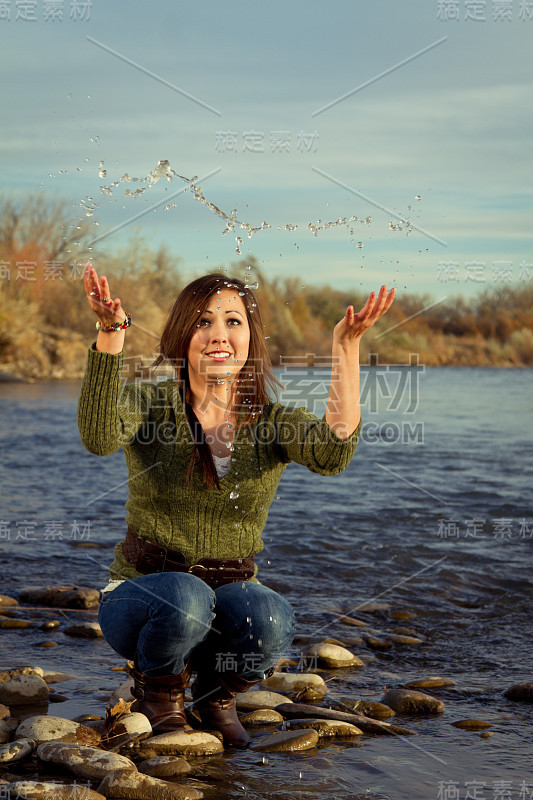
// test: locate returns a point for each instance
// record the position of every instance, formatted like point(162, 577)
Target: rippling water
point(440, 527)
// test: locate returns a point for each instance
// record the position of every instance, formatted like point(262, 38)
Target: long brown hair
point(250, 388)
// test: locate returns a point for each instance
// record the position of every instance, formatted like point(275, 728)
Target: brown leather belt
point(148, 557)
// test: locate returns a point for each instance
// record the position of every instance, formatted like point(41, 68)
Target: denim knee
point(257, 616)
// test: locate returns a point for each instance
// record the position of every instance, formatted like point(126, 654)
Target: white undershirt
point(222, 466)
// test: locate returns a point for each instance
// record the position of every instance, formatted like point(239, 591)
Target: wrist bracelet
point(116, 326)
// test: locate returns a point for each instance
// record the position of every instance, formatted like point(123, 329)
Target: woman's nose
point(218, 332)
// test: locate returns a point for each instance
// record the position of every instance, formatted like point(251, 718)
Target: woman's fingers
point(105, 294)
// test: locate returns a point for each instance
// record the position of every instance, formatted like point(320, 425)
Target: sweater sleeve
point(308, 440)
point(109, 415)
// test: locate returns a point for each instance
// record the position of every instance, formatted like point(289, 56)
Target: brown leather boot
point(161, 699)
point(214, 696)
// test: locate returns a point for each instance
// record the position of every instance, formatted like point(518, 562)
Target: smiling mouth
point(221, 355)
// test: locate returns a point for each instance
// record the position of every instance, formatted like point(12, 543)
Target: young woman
point(205, 451)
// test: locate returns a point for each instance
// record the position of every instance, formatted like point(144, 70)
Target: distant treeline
point(46, 324)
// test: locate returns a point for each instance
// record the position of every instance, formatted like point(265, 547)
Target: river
point(433, 517)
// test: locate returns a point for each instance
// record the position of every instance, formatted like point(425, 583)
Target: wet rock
point(56, 697)
point(6, 601)
point(62, 596)
point(84, 762)
point(296, 710)
point(374, 605)
point(137, 786)
point(326, 727)
point(49, 625)
point(433, 682)
point(45, 644)
point(6, 622)
point(472, 724)
point(263, 716)
point(128, 727)
point(369, 708)
point(5, 732)
point(404, 631)
point(287, 741)
point(333, 656)
point(398, 638)
point(377, 644)
point(12, 723)
point(520, 691)
point(408, 701)
point(486, 734)
point(165, 767)
point(308, 685)
point(16, 751)
point(24, 690)
point(252, 701)
point(4, 711)
point(351, 621)
point(398, 614)
point(122, 692)
point(185, 743)
point(41, 790)
point(51, 676)
point(85, 630)
point(43, 728)
point(16, 672)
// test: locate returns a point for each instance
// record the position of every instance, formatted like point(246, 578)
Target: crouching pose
point(205, 451)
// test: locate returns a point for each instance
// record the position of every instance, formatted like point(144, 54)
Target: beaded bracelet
point(116, 326)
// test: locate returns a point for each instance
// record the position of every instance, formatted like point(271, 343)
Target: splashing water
point(164, 170)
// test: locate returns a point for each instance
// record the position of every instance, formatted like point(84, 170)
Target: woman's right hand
point(97, 291)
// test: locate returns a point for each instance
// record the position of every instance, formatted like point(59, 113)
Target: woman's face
point(219, 347)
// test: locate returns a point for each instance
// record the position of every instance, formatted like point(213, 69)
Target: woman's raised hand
point(107, 310)
point(352, 325)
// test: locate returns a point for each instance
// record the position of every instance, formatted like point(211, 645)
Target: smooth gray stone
point(16, 751)
point(520, 691)
point(127, 785)
point(295, 710)
point(24, 690)
point(84, 762)
point(409, 701)
point(287, 741)
point(42, 790)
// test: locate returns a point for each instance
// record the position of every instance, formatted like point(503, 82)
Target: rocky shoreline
point(43, 755)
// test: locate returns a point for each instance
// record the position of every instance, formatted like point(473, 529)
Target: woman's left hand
point(352, 325)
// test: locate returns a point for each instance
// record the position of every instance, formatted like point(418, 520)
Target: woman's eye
point(232, 320)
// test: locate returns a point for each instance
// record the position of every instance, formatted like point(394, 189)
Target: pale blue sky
point(451, 125)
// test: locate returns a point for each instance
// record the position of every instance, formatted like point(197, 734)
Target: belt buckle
point(190, 570)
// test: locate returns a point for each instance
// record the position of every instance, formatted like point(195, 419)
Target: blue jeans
point(161, 619)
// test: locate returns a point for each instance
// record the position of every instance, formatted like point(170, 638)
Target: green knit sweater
point(148, 421)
